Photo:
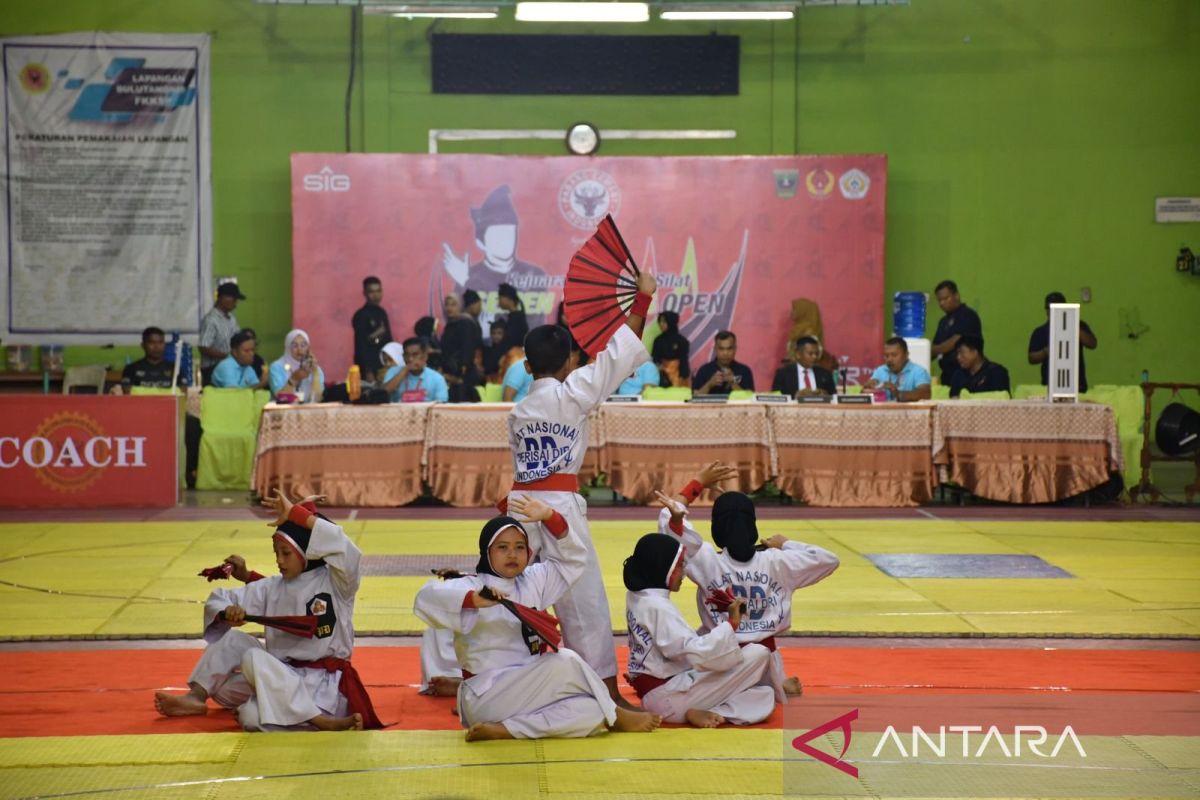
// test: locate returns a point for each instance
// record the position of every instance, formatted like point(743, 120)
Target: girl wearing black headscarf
point(670, 352)
point(765, 574)
point(702, 679)
point(511, 687)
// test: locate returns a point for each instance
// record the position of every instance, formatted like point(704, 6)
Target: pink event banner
point(732, 241)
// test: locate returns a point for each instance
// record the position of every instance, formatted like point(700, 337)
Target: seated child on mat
point(291, 683)
point(765, 575)
point(706, 679)
point(511, 687)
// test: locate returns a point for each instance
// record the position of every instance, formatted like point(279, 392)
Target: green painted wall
point(1026, 139)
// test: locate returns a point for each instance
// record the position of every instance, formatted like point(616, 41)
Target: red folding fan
point(304, 626)
point(543, 624)
point(601, 286)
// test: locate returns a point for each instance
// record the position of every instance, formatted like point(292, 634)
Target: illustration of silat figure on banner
point(496, 237)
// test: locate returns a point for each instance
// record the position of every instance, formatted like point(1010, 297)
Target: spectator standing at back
point(516, 325)
point(217, 328)
point(724, 373)
point(1039, 344)
point(372, 329)
point(670, 351)
point(959, 320)
point(461, 343)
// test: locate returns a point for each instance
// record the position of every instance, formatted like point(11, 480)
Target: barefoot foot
point(180, 705)
point(699, 718)
point(636, 721)
point(482, 731)
point(325, 723)
point(793, 687)
point(443, 686)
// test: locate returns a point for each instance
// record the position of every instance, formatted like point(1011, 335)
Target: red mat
point(97, 692)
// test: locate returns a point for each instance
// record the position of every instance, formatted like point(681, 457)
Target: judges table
point(1025, 451)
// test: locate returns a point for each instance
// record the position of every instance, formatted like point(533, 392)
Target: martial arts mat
point(897, 577)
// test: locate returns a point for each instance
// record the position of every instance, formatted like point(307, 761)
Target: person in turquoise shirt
point(902, 379)
point(234, 371)
point(643, 376)
point(296, 371)
point(414, 375)
point(517, 381)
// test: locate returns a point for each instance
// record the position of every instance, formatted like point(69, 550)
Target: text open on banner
point(732, 241)
point(76, 451)
point(106, 186)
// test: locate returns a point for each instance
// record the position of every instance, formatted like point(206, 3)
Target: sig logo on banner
point(90, 451)
point(586, 196)
point(326, 181)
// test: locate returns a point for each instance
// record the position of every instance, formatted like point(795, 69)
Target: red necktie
point(807, 385)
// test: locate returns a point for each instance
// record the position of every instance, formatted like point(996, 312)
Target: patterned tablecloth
point(468, 462)
point(830, 455)
point(652, 446)
point(1025, 451)
point(355, 455)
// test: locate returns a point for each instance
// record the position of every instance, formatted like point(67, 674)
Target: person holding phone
point(724, 373)
point(296, 372)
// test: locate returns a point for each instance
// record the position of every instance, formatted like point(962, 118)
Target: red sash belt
point(558, 482)
point(644, 684)
point(768, 643)
point(350, 685)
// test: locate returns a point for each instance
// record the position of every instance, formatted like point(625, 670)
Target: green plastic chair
point(1028, 390)
point(1128, 405)
point(229, 418)
point(854, 388)
point(741, 394)
point(965, 395)
point(490, 393)
point(677, 393)
point(939, 392)
point(149, 391)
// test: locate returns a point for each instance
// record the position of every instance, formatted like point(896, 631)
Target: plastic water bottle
point(172, 346)
point(908, 314)
point(354, 383)
point(185, 364)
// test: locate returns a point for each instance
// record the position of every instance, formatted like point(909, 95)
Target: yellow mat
point(665, 765)
point(139, 579)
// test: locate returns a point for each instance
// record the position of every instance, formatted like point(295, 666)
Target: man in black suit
point(805, 378)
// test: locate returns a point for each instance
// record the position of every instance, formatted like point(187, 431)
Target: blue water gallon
point(908, 314)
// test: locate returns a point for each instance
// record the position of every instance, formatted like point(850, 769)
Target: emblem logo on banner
point(35, 78)
point(586, 196)
point(819, 183)
point(854, 184)
point(326, 181)
point(787, 182)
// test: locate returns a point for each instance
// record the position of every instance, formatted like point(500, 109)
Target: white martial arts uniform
point(548, 434)
point(706, 671)
point(534, 696)
point(438, 659)
point(766, 583)
point(238, 672)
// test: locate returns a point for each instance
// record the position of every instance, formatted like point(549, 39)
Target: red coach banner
point(732, 241)
point(89, 452)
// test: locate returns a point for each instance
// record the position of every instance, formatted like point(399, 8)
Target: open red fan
point(304, 626)
point(543, 624)
point(601, 286)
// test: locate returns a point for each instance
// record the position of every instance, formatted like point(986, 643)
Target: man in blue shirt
point(236, 370)
point(517, 380)
point(643, 376)
point(414, 377)
point(902, 379)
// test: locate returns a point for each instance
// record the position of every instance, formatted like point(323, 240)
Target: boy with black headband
point(704, 679)
point(512, 687)
point(293, 682)
point(548, 433)
point(764, 575)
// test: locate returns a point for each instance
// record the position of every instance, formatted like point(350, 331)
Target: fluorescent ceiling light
point(729, 13)
point(582, 12)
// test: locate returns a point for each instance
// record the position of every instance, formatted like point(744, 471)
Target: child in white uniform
point(703, 679)
point(512, 687)
point(548, 434)
point(291, 683)
point(765, 578)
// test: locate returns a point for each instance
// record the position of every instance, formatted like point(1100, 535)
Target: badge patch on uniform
point(321, 607)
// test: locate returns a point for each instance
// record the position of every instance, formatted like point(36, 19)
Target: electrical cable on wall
point(354, 21)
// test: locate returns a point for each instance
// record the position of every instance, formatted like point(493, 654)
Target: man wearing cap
point(496, 237)
point(217, 328)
